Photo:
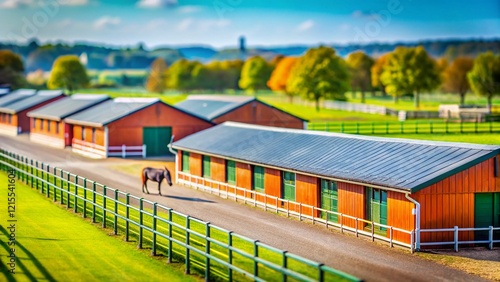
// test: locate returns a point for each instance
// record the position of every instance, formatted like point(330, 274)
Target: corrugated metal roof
point(212, 106)
point(31, 101)
point(109, 111)
point(67, 106)
point(16, 95)
point(402, 164)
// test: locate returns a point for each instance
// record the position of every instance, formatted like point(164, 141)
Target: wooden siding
point(179, 160)
point(272, 182)
point(307, 192)
point(21, 118)
point(218, 169)
point(128, 130)
point(244, 176)
point(450, 202)
point(261, 114)
point(45, 131)
point(399, 214)
point(195, 164)
point(351, 201)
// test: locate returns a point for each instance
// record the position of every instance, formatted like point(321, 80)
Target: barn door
point(156, 140)
point(289, 186)
point(376, 206)
point(486, 213)
point(329, 199)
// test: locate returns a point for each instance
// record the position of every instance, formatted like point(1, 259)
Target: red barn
point(127, 126)
point(246, 109)
point(14, 119)
point(47, 123)
point(397, 189)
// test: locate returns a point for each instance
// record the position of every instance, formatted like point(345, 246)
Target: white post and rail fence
point(101, 152)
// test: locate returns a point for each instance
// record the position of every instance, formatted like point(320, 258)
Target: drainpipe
point(417, 221)
point(176, 156)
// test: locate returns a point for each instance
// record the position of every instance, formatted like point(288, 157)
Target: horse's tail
point(143, 176)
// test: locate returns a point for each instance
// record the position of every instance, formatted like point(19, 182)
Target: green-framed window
point(288, 185)
point(185, 161)
point(206, 167)
point(376, 206)
point(231, 172)
point(258, 179)
point(329, 199)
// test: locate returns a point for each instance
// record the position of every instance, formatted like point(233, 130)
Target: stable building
point(245, 109)
point(131, 127)
point(47, 123)
point(403, 186)
point(13, 114)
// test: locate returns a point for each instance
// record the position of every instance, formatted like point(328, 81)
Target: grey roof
point(212, 106)
point(109, 111)
point(31, 101)
point(402, 164)
point(16, 95)
point(67, 106)
point(4, 91)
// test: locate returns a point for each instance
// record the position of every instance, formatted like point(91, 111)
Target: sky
point(219, 23)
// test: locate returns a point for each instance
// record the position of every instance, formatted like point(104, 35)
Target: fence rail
point(98, 151)
point(407, 127)
point(344, 222)
point(491, 239)
point(212, 251)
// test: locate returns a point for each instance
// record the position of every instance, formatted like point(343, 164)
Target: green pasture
point(55, 245)
point(222, 246)
point(482, 138)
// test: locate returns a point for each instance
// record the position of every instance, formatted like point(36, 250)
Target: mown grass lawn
point(486, 138)
point(55, 245)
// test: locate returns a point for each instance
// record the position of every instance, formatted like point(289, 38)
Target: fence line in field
point(209, 249)
point(416, 127)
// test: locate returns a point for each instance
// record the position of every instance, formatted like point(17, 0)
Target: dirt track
point(356, 256)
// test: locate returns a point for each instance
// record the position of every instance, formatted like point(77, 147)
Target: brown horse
point(156, 175)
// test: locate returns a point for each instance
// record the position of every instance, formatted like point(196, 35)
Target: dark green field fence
point(211, 251)
point(407, 127)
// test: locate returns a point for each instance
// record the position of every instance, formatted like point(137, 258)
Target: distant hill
point(38, 56)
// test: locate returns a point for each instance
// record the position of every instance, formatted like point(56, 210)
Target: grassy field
point(486, 138)
point(55, 245)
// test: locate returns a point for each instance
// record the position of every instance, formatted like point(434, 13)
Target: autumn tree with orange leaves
point(280, 75)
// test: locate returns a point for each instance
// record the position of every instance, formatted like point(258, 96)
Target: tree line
point(318, 74)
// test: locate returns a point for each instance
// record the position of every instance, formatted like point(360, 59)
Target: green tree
point(410, 71)
point(183, 75)
point(156, 81)
point(360, 66)
point(319, 74)
point(11, 69)
point(68, 73)
point(255, 74)
point(455, 77)
point(484, 78)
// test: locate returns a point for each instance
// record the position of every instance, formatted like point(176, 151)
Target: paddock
point(14, 108)
point(130, 127)
point(47, 123)
point(246, 109)
point(415, 193)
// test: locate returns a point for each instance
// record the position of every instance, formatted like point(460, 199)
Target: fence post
point(321, 274)
point(68, 205)
point(127, 214)
point(255, 255)
point(43, 177)
point(491, 126)
point(139, 246)
point(342, 127)
point(84, 198)
point(416, 127)
point(31, 166)
point(285, 265)
point(144, 151)
point(104, 206)
point(430, 123)
point(169, 259)
point(75, 206)
point(124, 148)
point(36, 178)
point(188, 223)
point(207, 251)
point(390, 236)
point(491, 238)
point(54, 176)
point(153, 243)
point(373, 127)
point(402, 128)
point(475, 125)
point(446, 124)
point(357, 127)
point(47, 176)
point(93, 201)
point(387, 127)
point(230, 255)
point(115, 219)
point(456, 238)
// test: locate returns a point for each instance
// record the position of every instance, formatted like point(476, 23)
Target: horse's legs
point(145, 185)
point(159, 186)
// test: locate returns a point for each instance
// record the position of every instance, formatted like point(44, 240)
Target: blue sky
point(219, 23)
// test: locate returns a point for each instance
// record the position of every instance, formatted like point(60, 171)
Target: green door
point(329, 199)
point(376, 206)
point(258, 179)
point(156, 140)
point(289, 186)
point(486, 213)
point(231, 172)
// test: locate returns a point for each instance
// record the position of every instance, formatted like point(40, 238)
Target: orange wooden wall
point(307, 192)
point(261, 114)
point(53, 127)
point(272, 182)
point(399, 214)
point(244, 175)
point(218, 169)
point(351, 201)
point(99, 134)
point(195, 164)
point(22, 120)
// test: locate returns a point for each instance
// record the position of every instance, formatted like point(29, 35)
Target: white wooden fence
point(95, 151)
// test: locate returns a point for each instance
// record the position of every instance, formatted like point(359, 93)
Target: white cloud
point(189, 9)
point(106, 21)
point(185, 24)
point(305, 26)
point(73, 2)
point(156, 3)
point(156, 23)
point(362, 14)
point(12, 4)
